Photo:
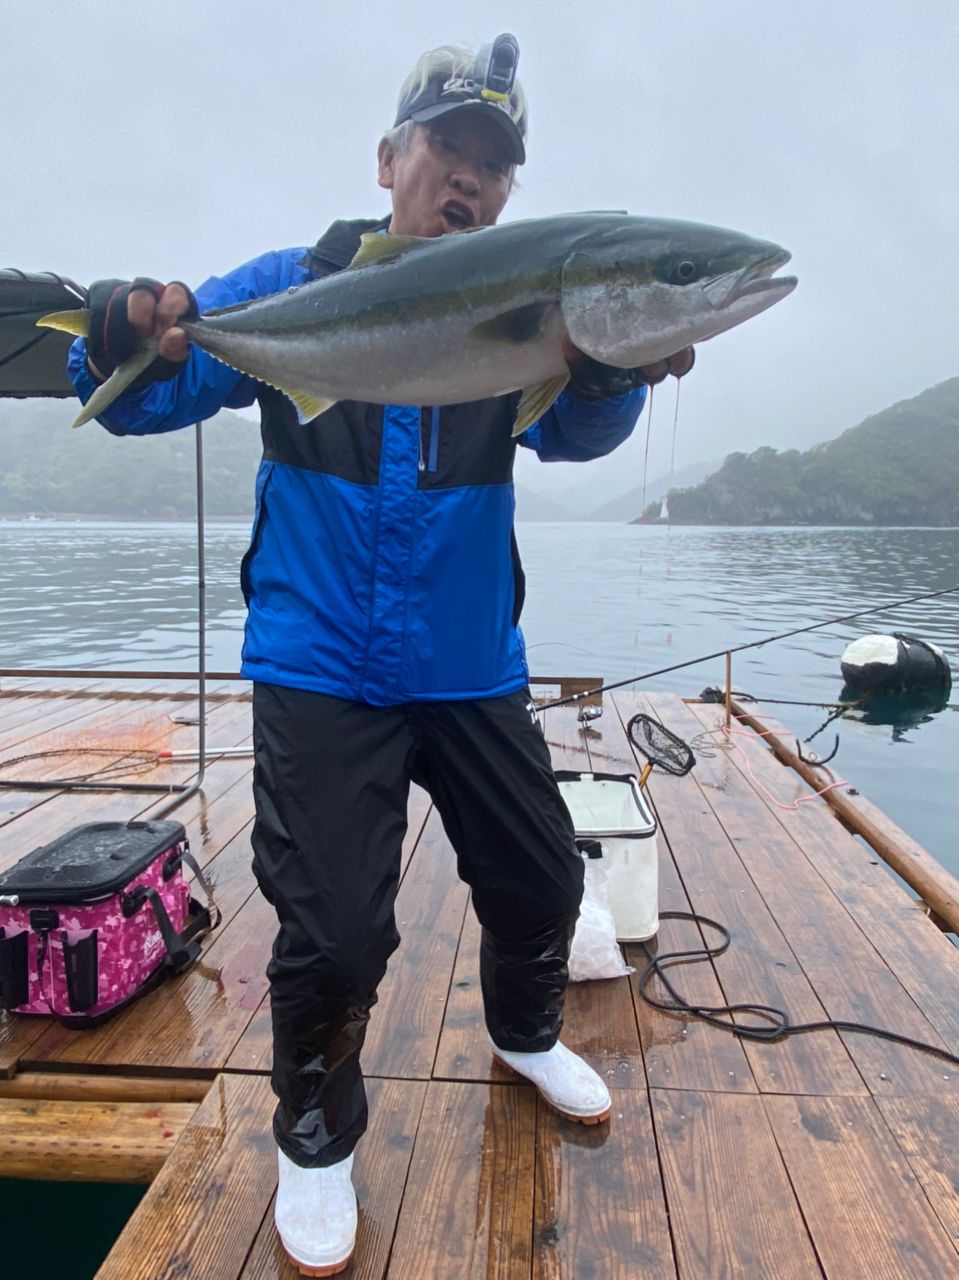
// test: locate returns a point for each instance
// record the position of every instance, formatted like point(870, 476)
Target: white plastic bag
point(595, 952)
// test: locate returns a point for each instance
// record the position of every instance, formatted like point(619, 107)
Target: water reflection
point(900, 712)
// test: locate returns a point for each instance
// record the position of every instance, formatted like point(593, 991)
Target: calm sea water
point(603, 599)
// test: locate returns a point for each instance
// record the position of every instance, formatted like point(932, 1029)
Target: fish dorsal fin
point(375, 246)
point(536, 400)
point(76, 322)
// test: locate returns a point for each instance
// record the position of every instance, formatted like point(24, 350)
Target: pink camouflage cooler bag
point(97, 918)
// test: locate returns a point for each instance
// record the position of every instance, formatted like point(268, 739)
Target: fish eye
point(685, 272)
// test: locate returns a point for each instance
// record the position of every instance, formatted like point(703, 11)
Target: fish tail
point(117, 383)
point(77, 322)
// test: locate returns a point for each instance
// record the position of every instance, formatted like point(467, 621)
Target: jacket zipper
point(434, 438)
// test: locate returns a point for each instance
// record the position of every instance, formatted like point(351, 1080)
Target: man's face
point(455, 173)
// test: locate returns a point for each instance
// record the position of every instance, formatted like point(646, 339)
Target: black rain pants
point(331, 785)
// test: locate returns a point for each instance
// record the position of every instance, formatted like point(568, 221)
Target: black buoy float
point(894, 664)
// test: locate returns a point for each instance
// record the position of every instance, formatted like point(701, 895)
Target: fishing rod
point(753, 644)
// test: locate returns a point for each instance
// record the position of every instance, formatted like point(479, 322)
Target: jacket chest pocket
point(467, 444)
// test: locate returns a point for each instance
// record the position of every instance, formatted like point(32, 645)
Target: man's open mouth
point(456, 215)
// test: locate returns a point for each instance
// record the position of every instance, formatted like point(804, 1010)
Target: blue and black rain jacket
point(383, 566)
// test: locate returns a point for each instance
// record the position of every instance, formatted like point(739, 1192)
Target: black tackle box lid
point(88, 862)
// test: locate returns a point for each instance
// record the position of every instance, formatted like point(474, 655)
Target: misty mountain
point(50, 469)
point(626, 506)
point(898, 467)
point(532, 506)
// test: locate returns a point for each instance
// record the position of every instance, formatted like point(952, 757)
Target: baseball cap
point(487, 87)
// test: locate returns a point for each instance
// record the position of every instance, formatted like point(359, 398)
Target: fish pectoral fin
point(522, 324)
point(536, 400)
point(375, 246)
point(76, 322)
point(308, 406)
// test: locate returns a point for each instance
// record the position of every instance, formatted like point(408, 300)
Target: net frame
point(660, 746)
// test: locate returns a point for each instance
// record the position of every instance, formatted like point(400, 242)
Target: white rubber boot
point(568, 1084)
point(316, 1215)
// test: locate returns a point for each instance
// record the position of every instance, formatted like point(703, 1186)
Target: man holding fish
point(383, 580)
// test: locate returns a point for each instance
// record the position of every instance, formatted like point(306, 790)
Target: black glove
point(591, 380)
point(113, 339)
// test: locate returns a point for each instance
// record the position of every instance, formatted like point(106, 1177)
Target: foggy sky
point(180, 139)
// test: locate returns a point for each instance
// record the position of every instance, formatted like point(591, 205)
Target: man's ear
point(385, 157)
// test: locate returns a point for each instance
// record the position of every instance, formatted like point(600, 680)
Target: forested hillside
point(50, 469)
point(900, 466)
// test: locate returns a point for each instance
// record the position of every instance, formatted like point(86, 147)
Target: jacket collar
point(336, 248)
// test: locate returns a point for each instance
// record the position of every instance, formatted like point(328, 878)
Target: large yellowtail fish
point(480, 313)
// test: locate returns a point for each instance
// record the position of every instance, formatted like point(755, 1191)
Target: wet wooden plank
point(840, 959)
point(380, 1168)
point(731, 1207)
point(923, 959)
point(254, 1049)
point(927, 1131)
point(863, 1205)
point(684, 1053)
point(463, 1052)
point(43, 823)
point(468, 1209)
point(60, 1140)
point(417, 812)
point(205, 1208)
point(759, 966)
point(113, 1088)
point(405, 1025)
point(615, 1052)
point(599, 1211)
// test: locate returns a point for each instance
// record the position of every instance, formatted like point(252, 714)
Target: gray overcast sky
point(181, 138)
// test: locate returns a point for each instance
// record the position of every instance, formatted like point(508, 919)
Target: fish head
point(646, 288)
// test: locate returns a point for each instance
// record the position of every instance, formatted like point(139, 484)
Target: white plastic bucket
point(611, 808)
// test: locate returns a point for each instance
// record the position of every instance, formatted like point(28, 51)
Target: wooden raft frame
point(824, 1155)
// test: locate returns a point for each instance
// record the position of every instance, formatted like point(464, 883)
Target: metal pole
point(729, 688)
point(197, 783)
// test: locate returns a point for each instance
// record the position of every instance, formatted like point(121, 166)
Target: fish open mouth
point(758, 278)
point(457, 215)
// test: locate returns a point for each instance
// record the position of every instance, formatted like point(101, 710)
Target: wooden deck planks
point(463, 1172)
point(922, 958)
point(732, 1210)
point(88, 1141)
point(679, 1052)
point(600, 1212)
point(849, 974)
point(202, 1214)
point(379, 1174)
point(863, 1205)
point(759, 966)
point(927, 1131)
point(405, 1025)
point(467, 1213)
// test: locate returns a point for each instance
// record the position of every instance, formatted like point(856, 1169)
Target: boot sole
point(567, 1115)
point(330, 1269)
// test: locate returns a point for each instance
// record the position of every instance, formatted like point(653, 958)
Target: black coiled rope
point(775, 1024)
